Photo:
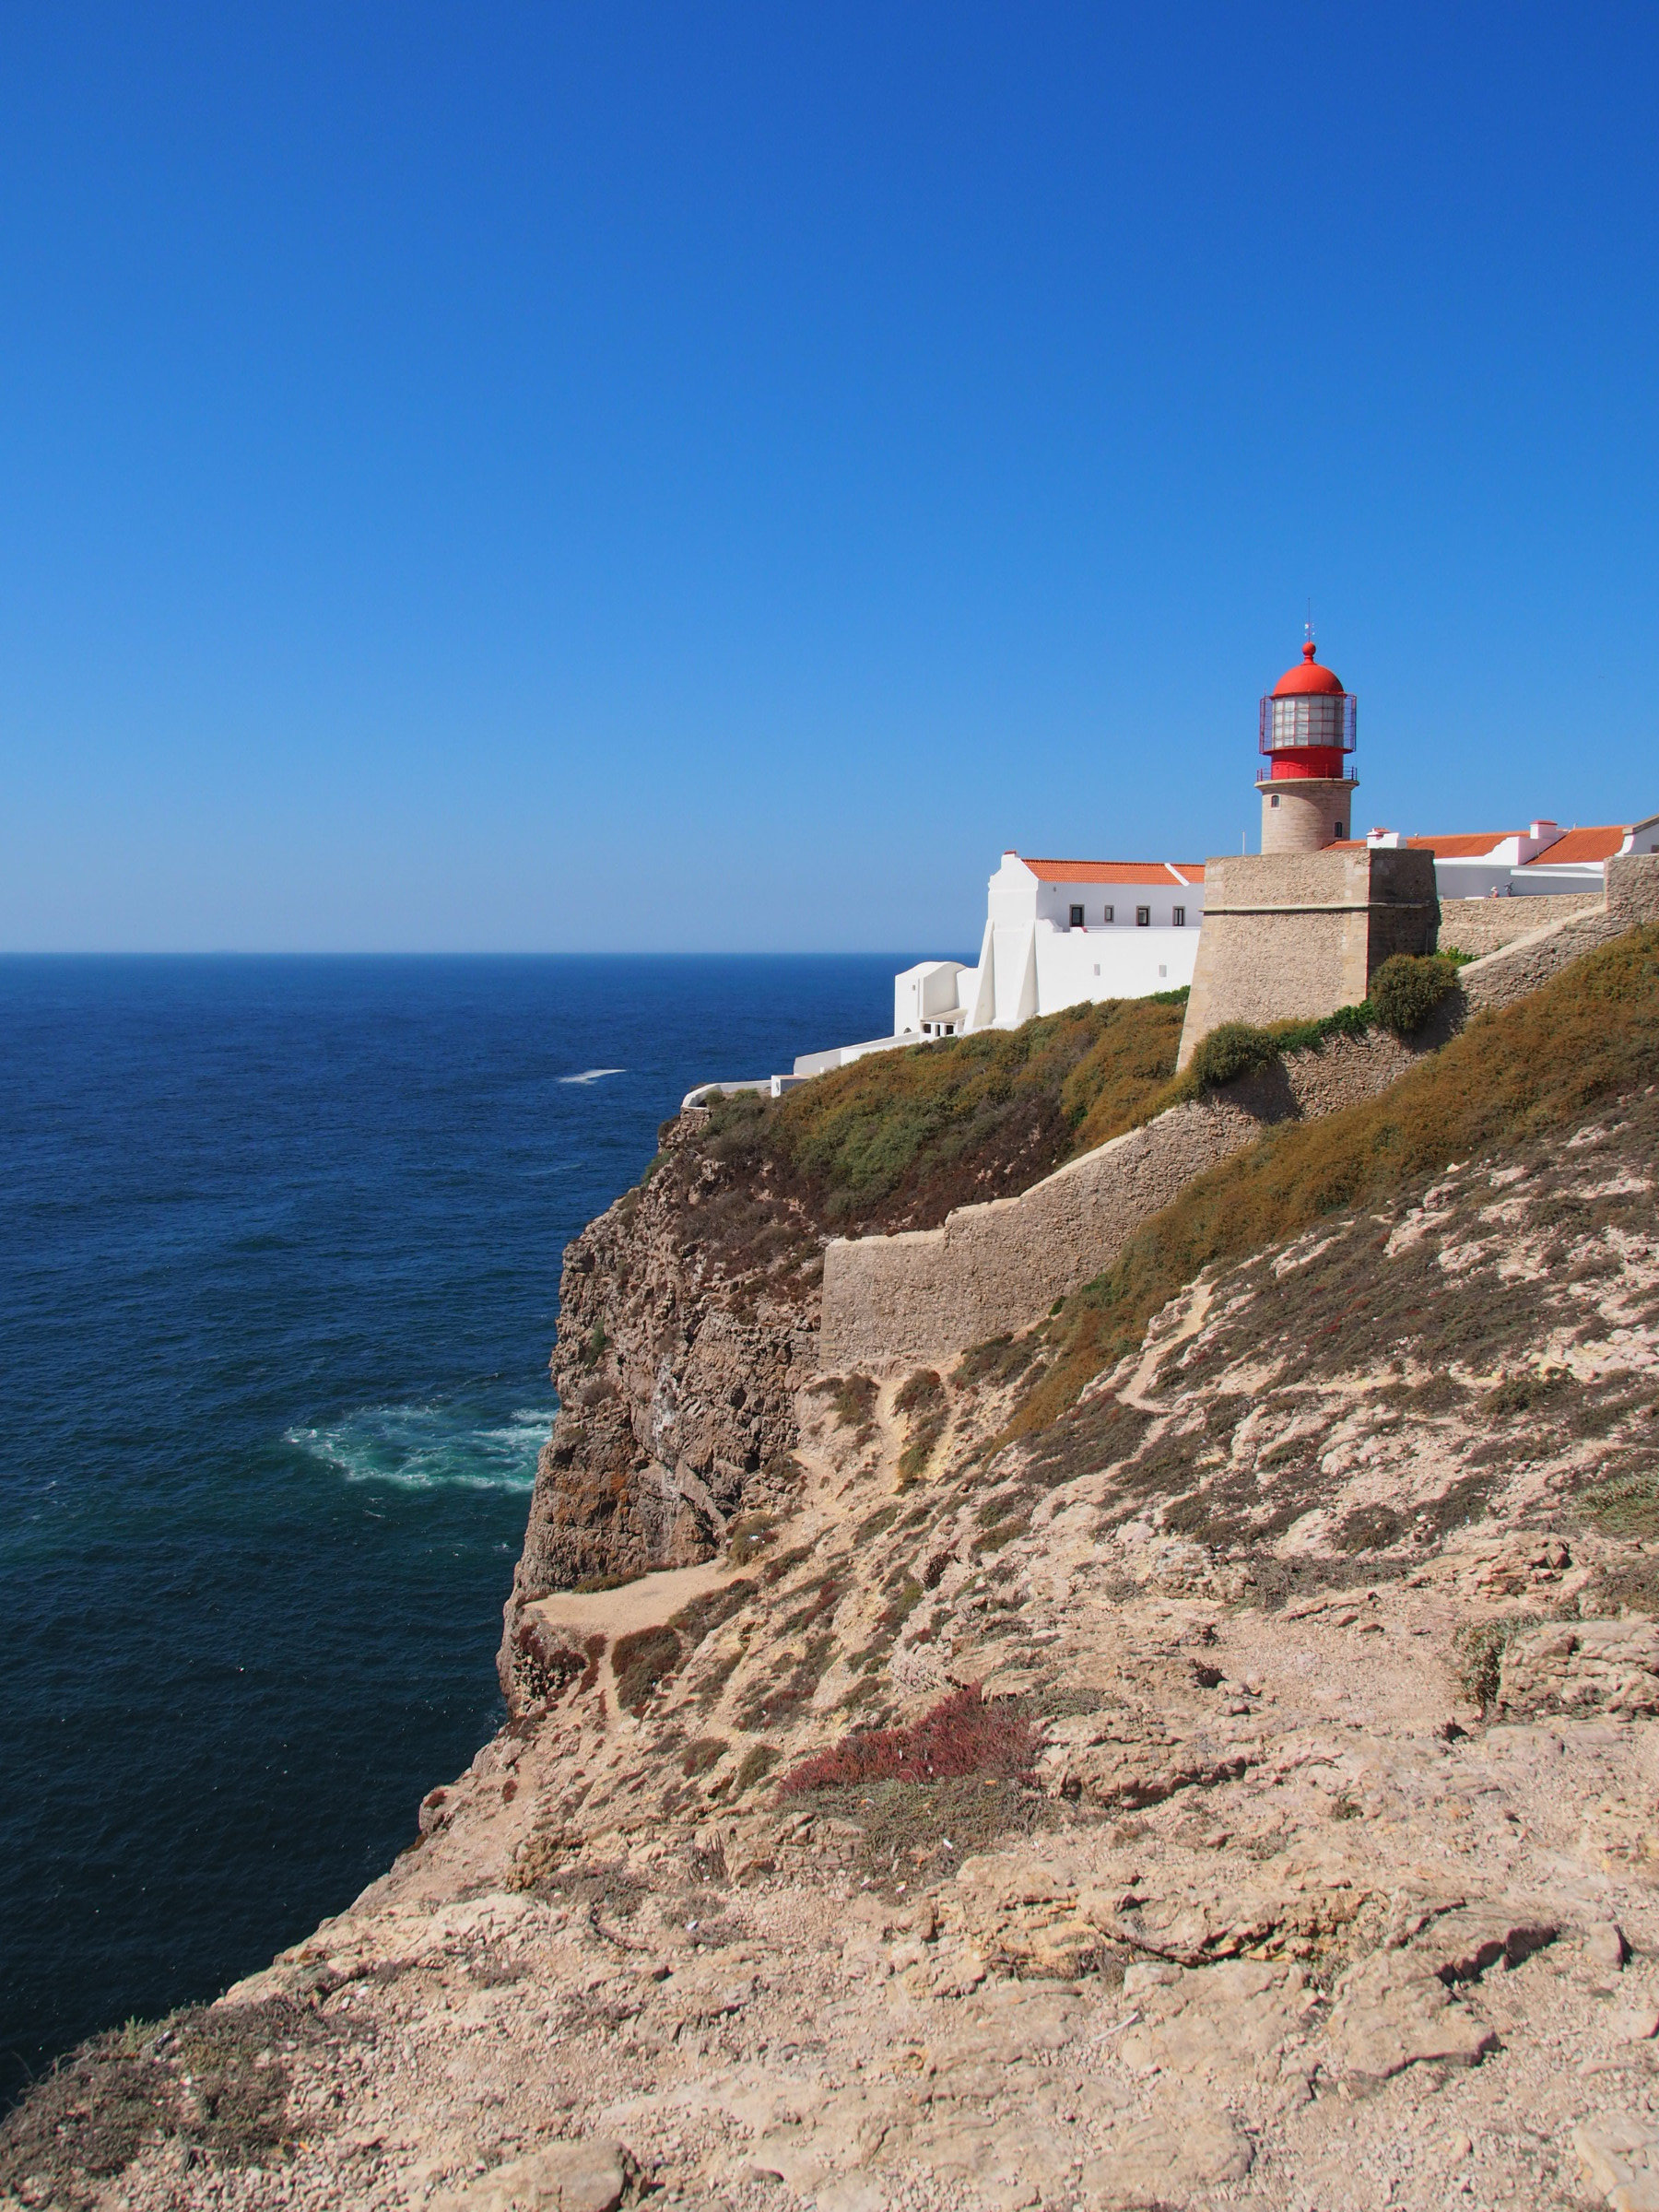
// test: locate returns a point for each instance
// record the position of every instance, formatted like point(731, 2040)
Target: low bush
point(997, 1361)
point(1407, 989)
point(1625, 1503)
point(898, 1138)
point(641, 1661)
point(853, 1401)
point(962, 1734)
point(1479, 1650)
point(1235, 1049)
point(711, 1610)
point(214, 2079)
point(1526, 1393)
point(923, 1404)
point(758, 1761)
point(748, 1536)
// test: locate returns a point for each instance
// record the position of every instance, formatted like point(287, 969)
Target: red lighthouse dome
point(1307, 722)
point(1307, 675)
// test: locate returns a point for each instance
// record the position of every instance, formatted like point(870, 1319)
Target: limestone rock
point(564, 2177)
point(1394, 2012)
point(1165, 2160)
point(1605, 1948)
point(1582, 1666)
point(1619, 2158)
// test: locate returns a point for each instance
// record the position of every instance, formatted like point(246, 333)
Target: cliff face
point(1229, 1777)
point(687, 1317)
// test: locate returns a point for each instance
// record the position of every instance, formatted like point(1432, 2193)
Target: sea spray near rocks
point(420, 1447)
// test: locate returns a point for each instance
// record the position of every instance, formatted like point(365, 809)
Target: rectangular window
point(1143, 917)
point(1273, 798)
point(1077, 917)
point(1107, 914)
point(1178, 916)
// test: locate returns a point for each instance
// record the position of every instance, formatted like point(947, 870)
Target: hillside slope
point(1201, 1750)
point(687, 1311)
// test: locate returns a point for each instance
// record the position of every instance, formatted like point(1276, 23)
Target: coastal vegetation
point(1537, 1066)
point(898, 1138)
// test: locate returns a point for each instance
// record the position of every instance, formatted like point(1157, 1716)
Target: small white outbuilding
point(1061, 933)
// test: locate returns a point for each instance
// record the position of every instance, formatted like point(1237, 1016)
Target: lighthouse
point(1300, 928)
point(1306, 730)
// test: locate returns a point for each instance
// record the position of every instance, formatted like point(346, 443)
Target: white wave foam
point(592, 1074)
point(430, 1447)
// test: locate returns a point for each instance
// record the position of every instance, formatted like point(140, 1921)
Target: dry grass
point(898, 1138)
point(923, 1405)
point(1587, 1038)
point(214, 2078)
point(641, 1661)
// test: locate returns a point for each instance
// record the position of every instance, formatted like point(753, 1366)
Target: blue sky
point(575, 477)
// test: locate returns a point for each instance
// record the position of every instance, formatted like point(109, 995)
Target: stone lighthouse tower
point(1300, 928)
point(1307, 734)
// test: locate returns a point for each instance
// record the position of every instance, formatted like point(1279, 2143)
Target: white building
point(1517, 864)
point(1059, 932)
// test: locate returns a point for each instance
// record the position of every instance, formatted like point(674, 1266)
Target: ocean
point(281, 1241)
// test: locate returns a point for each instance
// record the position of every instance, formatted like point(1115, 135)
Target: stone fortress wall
point(925, 1295)
point(1483, 926)
point(1287, 936)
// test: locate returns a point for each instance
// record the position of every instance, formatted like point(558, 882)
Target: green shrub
point(1407, 989)
point(757, 1761)
point(749, 1535)
point(1230, 1050)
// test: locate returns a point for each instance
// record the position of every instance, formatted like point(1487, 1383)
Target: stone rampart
point(1633, 900)
point(1481, 925)
point(927, 1294)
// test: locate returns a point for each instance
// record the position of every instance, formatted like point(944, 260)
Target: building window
point(1178, 917)
point(1273, 798)
point(1107, 914)
point(1143, 917)
point(1077, 917)
point(1340, 832)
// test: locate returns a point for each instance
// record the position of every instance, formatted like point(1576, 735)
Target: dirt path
point(645, 1603)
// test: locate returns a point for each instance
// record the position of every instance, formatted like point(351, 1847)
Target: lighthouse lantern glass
point(1316, 720)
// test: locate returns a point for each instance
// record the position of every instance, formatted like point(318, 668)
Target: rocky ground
point(1256, 1802)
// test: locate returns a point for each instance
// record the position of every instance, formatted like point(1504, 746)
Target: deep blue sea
point(279, 1253)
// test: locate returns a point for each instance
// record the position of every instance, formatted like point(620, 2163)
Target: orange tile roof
point(1583, 844)
point(1113, 871)
point(1461, 848)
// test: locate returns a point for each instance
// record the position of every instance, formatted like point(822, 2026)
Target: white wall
point(1032, 960)
point(928, 988)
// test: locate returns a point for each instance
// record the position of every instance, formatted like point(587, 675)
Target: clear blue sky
point(558, 476)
